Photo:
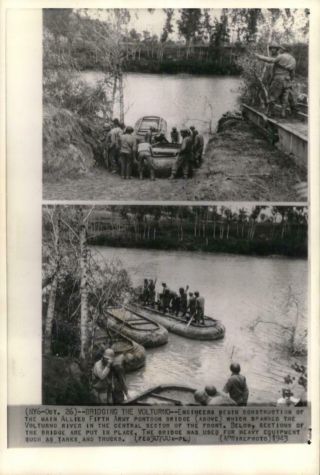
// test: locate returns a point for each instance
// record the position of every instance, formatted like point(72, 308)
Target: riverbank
point(288, 247)
point(239, 164)
point(193, 66)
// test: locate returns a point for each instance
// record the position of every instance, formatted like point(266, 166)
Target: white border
point(24, 251)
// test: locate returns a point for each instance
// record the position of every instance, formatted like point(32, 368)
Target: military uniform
point(114, 148)
point(198, 149)
point(282, 76)
point(237, 389)
point(145, 159)
point(175, 136)
point(184, 158)
point(128, 146)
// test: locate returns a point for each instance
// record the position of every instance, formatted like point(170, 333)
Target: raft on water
point(212, 330)
point(134, 355)
point(165, 394)
point(142, 330)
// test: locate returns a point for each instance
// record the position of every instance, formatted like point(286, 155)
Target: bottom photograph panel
point(175, 305)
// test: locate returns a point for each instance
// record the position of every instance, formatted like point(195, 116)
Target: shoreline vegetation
point(263, 231)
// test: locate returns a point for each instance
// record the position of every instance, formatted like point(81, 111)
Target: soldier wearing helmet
point(128, 148)
point(108, 379)
point(284, 65)
point(217, 398)
point(236, 386)
point(174, 135)
point(184, 158)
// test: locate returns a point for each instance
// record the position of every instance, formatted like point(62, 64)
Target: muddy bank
point(239, 164)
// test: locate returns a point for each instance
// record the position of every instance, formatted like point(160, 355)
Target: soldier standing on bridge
point(282, 76)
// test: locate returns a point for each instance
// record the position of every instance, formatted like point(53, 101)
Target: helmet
point(201, 397)
point(109, 353)
point(211, 390)
point(235, 368)
point(274, 45)
point(129, 129)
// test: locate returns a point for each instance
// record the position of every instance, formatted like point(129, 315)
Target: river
point(238, 290)
point(181, 99)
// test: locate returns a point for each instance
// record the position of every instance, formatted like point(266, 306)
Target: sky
point(142, 19)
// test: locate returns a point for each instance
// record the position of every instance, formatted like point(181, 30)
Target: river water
point(181, 99)
point(239, 290)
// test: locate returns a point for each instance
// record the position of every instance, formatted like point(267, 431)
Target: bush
point(65, 149)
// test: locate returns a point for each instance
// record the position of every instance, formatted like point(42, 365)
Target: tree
point(146, 36)
point(220, 32)
point(54, 216)
point(134, 35)
point(189, 25)
point(168, 26)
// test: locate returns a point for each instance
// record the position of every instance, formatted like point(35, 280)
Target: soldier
point(217, 398)
point(199, 307)
point(160, 139)
point(184, 158)
point(174, 302)
point(106, 144)
point(192, 306)
point(175, 138)
point(166, 297)
point(108, 379)
point(152, 292)
point(128, 146)
point(236, 386)
point(145, 160)
point(145, 291)
point(198, 146)
point(114, 146)
point(149, 135)
point(183, 302)
point(282, 76)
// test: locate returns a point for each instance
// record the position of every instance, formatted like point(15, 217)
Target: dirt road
point(239, 165)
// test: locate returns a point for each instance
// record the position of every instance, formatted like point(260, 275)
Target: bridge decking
point(288, 135)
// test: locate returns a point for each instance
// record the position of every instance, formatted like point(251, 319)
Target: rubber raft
point(165, 395)
point(142, 330)
point(211, 330)
point(134, 355)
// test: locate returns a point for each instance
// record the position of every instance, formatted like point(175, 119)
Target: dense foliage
point(262, 230)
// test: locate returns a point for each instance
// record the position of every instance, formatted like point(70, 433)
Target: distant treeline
point(87, 43)
point(176, 59)
point(283, 232)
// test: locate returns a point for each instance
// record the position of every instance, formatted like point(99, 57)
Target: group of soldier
point(109, 385)
point(184, 304)
point(190, 153)
point(122, 150)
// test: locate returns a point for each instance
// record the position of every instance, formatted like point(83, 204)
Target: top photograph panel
point(175, 104)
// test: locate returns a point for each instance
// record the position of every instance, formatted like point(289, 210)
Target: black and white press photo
point(161, 230)
point(175, 305)
point(175, 104)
